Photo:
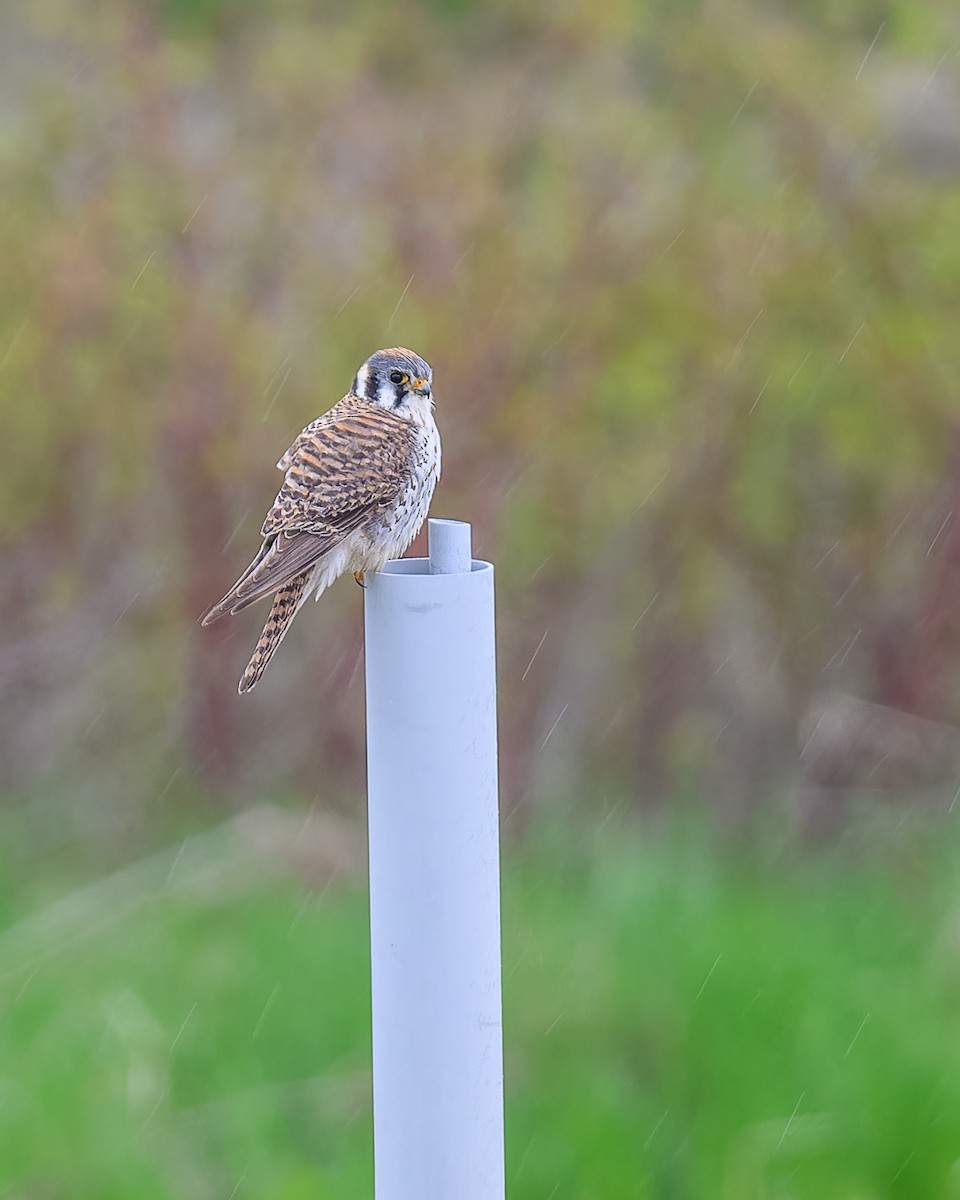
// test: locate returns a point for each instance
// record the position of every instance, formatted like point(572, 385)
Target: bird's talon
point(358, 576)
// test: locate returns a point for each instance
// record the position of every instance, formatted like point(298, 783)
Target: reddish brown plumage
point(343, 468)
point(285, 604)
point(358, 483)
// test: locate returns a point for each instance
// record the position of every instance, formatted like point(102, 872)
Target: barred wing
point(342, 470)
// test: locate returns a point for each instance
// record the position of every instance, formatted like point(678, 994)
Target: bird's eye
point(398, 377)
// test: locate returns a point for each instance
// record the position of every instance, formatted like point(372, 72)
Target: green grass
point(679, 1023)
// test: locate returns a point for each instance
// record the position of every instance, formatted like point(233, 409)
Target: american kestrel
point(357, 487)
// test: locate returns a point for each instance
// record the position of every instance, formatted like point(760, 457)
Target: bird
point(357, 486)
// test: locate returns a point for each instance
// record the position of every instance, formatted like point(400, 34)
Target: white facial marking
point(363, 376)
point(386, 393)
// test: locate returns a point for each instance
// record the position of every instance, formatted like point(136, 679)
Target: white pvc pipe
point(434, 875)
point(450, 552)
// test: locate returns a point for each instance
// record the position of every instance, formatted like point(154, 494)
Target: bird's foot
point(358, 576)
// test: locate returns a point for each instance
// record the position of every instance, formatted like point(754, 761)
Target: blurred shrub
point(686, 277)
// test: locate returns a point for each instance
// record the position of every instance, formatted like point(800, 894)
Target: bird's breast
point(401, 522)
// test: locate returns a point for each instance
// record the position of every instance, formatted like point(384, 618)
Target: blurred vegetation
point(677, 1025)
point(687, 276)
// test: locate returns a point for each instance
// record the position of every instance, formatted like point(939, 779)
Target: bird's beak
point(421, 387)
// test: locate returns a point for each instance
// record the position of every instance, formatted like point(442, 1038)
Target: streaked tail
point(285, 605)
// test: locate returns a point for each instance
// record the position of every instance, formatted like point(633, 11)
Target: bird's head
point(396, 379)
